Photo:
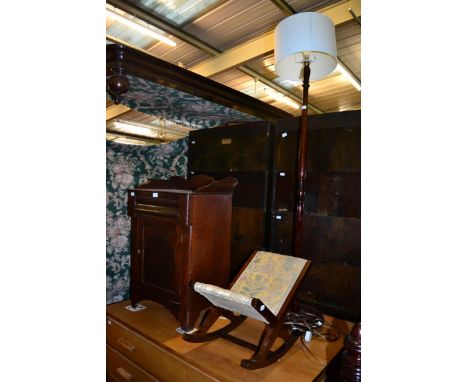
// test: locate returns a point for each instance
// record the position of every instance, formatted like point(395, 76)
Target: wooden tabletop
point(221, 358)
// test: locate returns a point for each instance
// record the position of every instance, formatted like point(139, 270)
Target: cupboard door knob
point(124, 374)
point(127, 345)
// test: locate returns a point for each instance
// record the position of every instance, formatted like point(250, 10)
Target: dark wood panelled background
point(263, 158)
point(243, 151)
point(332, 239)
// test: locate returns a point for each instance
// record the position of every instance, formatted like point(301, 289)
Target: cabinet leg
point(188, 320)
point(134, 299)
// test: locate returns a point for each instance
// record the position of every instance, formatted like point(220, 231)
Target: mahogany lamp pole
point(301, 166)
point(305, 49)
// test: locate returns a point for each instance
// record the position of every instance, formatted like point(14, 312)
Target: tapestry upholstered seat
point(263, 290)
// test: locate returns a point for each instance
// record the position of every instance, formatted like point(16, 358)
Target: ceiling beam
point(278, 88)
point(284, 6)
point(341, 12)
point(150, 18)
point(115, 111)
point(355, 10)
point(206, 12)
point(236, 56)
point(254, 74)
point(264, 45)
point(166, 26)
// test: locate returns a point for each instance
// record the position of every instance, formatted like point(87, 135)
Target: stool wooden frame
point(275, 326)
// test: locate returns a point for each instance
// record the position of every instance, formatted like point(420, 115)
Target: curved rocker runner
point(264, 290)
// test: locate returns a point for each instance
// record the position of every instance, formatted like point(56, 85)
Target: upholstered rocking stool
point(264, 290)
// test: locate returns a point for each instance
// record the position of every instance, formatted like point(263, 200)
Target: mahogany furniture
point(242, 151)
point(122, 60)
point(332, 229)
point(351, 358)
point(181, 231)
point(264, 290)
point(332, 205)
point(144, 346)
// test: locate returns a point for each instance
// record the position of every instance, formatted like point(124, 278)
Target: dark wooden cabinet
point(181, 232)
point(332, 224)
point(263, 157)
point(242, 151)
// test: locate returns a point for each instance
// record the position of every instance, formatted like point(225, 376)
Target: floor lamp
point(305, 49)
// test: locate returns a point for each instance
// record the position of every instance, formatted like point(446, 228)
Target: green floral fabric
point(127, 167)
point(179, 107)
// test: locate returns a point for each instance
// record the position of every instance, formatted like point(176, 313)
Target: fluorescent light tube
point(139, 27)
point(133, 128)
point(125, 141)
point(281, 98)
point(348, 76)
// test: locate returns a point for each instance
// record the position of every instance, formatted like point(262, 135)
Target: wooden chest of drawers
point(144, 346)
point(120, 368)
point(134, 357)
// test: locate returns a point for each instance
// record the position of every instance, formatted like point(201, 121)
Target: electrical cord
point(316, 324)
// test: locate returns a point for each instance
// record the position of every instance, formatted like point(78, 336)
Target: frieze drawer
point(121, 369)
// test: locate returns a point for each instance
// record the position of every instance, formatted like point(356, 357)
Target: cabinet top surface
point(198, 184)
point(171, 191)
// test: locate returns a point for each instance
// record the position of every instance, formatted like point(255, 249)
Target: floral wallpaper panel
point(128, 166)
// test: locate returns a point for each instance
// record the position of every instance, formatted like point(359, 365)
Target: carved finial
point(117, 83)
point(351, 361)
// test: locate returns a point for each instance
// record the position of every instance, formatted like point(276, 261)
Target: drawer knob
point(124, 373)
point(127, 345)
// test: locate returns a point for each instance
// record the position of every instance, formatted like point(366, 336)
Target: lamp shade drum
point(304, 34)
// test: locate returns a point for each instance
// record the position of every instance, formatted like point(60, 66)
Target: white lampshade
point(310, 32)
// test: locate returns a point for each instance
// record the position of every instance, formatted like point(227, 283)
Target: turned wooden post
point(301, 166)
point(351, 361)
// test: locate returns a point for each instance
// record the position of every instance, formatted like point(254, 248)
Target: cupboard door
point(158, 240)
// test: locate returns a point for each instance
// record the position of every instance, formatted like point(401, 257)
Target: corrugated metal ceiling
point(179, 12)
point(224, 24)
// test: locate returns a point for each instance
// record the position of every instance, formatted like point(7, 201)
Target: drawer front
point(163, 204)
point(120, 369)
point(159, 362)
point(157, 210)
